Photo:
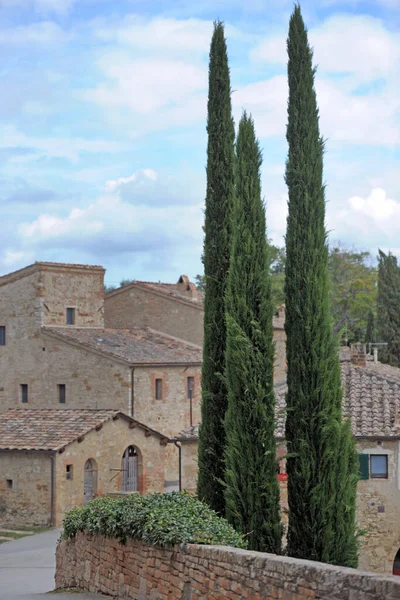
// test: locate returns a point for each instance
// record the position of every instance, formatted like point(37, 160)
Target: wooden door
point(90, 481)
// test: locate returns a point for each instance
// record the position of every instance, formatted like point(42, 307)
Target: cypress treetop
point(388, 308)
point(219, 202)
point(321, 463)
point(252, 489)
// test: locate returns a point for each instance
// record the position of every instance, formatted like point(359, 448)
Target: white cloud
point(368, 220)
point(12, 258)
point(166, 35)
point(146, 85)
point(69, 148)
point(114, 184)
point(356, 44)
point(43, 33)
point(377, 206)
point(124, 220)
point(60, 7)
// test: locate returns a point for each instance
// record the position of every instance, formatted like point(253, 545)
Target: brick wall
point(134, 306)
point(27, 501)
point(136, 570)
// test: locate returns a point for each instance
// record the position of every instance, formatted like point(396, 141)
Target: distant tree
point(388, 313)
point(109, 288)
point(277, 258)
point(321, 461)
point(125, 282)
point(353, 288)
point(200, 282)
point(370, 331)
point(252, 489)
point(217, 242)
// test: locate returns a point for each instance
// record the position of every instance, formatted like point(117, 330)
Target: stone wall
point(138, 571)
point(25, 488)
point(136, 306)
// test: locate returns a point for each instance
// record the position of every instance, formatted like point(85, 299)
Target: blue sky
point(102, 125)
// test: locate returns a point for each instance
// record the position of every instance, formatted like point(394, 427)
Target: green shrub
point(157, 519)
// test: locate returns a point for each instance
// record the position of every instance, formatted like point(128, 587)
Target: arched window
point(90, 480)
point(131, 465)
point(396, 564)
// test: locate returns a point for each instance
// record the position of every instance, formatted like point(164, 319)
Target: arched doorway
point(131, 464)
point(396, 564)
point(90, 480)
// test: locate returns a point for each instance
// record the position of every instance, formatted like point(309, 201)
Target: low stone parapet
point(189, 572)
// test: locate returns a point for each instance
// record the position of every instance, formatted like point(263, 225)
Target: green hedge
point(157, 519)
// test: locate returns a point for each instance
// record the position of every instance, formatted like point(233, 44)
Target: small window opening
point(379, 466)
point(61, 393)
point(190, 387)
point(158, 389)
point(70, 316)
point(24, 393)
point(2, 335)
point(69, 469)
point(9, 484)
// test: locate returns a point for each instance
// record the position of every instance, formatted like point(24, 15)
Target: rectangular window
point(379, 466)
point(158, 389)
point(363, 466)
point(9, 484)
point(70, 316)
point(2, 335)
point(69, 472)
point(61, 393)
point(190, 387)
point(24, 393)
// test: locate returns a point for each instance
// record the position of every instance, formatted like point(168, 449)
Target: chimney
point(358, 354)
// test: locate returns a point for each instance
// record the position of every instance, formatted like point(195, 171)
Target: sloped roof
point(53, 429)
point(135, 346)
point(371, 400)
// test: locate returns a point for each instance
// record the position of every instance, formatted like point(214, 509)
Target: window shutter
point(363, 466)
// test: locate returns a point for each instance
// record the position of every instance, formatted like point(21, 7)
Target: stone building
point(50, 464)
point(371, 400)
point(56, 353)
point(175, 309)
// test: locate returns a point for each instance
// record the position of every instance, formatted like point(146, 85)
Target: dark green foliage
point(156, 519)
point(370, 331)
point(321, 464)
point(388, 313)
point(219, 201)
point(252, 489)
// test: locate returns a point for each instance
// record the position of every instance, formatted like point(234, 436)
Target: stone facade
point(72, 461)
point(190, 572)
point(138, 305)
point(25, 487)
point(378, 501)
point(378, 505)
point(105, 448)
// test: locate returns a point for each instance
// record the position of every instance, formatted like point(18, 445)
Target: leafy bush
point(157, 519)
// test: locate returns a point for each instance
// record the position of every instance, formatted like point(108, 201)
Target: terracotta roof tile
point(135, 346)
point(53, 429)
point(47, 429)
point(371, 400)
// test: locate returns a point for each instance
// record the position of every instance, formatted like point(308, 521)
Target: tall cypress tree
point(388, 308)
point(321, 462)
point(219, 202)
point(370, 330)
point(252, 489)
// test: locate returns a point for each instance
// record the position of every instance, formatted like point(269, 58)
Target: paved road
point(27, 569)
